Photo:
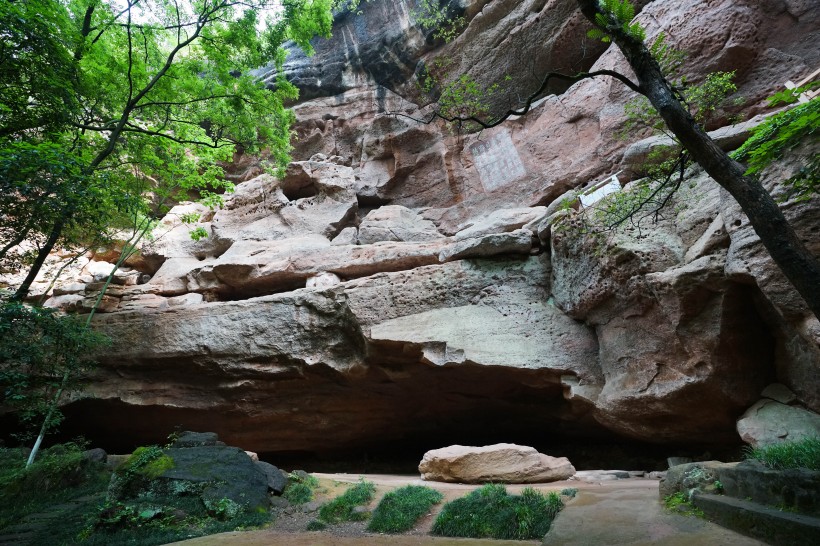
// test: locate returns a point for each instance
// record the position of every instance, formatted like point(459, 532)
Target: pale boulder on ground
point(499, 463)
point(770, 422)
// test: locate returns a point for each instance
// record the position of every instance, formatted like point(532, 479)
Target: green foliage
point(443, 20)
point(490, 512)
point(59, 474)
point(464, 97)
point(680, 503)
point(144, 464)
point(569, 492)
point(300, 488)
point(181, 518)
point(778, 134)
point(39, 181)
point(342, 507)
point(430, 15)
point(710, 96)
point(803, 453)
point(143, 510)
point(38, 348)
point(399, 510)
point(616, 15)
point(37, 76)
point(673, 501)
point(104, 103)
point(791, 96)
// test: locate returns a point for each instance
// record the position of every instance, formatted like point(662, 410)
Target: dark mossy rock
point(277, 479)
point(793, 489)
point(196, 439)
point(224, 478)
point(223, 472)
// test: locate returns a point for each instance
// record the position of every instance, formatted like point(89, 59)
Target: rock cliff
point(405, 281)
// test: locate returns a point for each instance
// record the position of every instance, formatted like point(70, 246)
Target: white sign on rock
point(600, 190)
point(497, 161)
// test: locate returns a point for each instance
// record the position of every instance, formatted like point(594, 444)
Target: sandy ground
point(604, 513)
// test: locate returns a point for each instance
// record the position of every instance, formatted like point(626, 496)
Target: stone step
point(759, 521)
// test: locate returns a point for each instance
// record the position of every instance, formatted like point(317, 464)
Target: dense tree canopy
point(103, 101)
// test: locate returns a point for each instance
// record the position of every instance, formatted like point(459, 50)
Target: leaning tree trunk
point(799, 265)
point(42, 254)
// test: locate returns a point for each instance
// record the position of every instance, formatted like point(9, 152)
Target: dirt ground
point(612, 512)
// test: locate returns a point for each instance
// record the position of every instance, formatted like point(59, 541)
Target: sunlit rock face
point(409, 282)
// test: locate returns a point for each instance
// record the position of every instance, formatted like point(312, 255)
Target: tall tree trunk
point(799, 265)
point(43, 253)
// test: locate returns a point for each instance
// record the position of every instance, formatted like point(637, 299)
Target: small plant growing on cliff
point(780, 133)
point(399, 510)
point(490, 512)
point(803, 453)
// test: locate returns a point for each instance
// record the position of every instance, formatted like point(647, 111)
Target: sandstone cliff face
point(405, 281)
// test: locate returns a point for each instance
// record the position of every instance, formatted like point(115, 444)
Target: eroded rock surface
point(406, 281)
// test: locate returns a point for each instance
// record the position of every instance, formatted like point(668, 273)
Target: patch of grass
point(399, 510)
point(300, 488)
point(804, 453)
point(675, 500)
point(491, 512)
point(679, 503)
point(316, 525)
point(342, 507)
point(570, 492)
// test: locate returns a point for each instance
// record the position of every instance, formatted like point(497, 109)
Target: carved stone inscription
point(497, 161)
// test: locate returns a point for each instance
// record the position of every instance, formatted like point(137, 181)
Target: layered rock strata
point(407, 281)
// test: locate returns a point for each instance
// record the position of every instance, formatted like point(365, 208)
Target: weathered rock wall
point(408, 281)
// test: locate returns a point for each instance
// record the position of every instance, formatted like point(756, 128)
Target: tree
point(134, 96)
point(612, 20)
point(777, 235)
point(41, 354)
point(156, 93)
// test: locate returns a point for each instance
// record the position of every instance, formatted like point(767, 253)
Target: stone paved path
point(627, 513)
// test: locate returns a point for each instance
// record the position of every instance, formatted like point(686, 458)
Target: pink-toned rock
point(499, 463)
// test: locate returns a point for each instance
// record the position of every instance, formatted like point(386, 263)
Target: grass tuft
point(342, 507)
point(300, 488)
point(491, 512)
point(399, 510)
point(804, 453)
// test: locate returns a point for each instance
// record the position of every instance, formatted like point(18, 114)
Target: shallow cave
point(381, 421)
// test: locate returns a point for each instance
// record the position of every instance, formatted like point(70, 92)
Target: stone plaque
point(497, 161)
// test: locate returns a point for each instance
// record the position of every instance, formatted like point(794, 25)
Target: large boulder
point(770, 422)
point(225, 479)
point(499, 463)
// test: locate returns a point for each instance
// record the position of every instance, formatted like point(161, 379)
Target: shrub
point(490, 512)
point(804, 453)
point(399, 510)
point(300, 487)
point(58, 467)
point(60, 474)
point(342, 508)
point(570, 492)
